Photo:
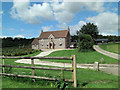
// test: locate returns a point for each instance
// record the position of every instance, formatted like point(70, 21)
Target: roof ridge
point(56, 34)
point(55, 31)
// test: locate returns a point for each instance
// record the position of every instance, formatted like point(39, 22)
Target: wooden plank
point(3, 64)
point(74, 71)
point(37, 77)
point(61, 58)
point(33, 71)
point(30, 67)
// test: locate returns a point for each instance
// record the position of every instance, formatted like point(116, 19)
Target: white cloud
point(73, 29)
point(18, 36)
point(65, 11)
point(114, 9)
point(4, 36)
point(62, 26)
point(47, 28)
point(31, 14)
point(1, 12)
point(62, 12)
point(107, 22)
point(0, 26)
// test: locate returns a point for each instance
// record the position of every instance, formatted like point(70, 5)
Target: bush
point(85, 43)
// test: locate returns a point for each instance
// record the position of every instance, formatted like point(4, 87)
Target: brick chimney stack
point(68, 28)
point(41, 31)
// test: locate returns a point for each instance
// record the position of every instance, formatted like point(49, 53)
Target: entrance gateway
point(51, 45)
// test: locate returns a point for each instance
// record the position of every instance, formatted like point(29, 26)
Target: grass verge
point(111, 47)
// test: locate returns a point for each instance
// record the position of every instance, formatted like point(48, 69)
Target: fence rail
point(73, 69)
point(30, 67)
point(61, 58)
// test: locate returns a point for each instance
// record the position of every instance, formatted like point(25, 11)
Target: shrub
point(85, 43)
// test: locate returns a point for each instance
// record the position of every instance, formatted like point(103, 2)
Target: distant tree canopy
point(10, 42)
point(90, 29)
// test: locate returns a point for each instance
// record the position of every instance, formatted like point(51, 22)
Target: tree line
point(10, 42)
point(111, 38)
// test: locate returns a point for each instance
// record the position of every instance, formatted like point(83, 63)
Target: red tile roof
point(56, 34)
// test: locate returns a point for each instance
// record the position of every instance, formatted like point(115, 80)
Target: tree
point(85, 42)
point(90, 29)
point(74, 38)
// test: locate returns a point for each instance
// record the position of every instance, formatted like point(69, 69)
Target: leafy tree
point(74, 38)
point(90, 29)
point(85, 43)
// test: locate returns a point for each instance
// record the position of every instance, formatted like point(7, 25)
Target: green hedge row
point(17, 52)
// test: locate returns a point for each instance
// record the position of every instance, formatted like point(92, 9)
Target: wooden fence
point(73, 69)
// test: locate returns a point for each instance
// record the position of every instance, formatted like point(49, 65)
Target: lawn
point(111, 47)
point(82, 57)
point(86, 78)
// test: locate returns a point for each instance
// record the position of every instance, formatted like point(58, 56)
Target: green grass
point(111, 47)
point(86, 78)
point(82, 57)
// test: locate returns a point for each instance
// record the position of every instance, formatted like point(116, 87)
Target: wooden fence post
point(3, 63)
point(32, 62)
point(74, 71)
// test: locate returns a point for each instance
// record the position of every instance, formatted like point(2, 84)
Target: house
point(101, 41)
point(52, 40)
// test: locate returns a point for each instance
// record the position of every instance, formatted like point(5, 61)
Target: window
point(60, 44)
point(35, 45)
point(42, 44)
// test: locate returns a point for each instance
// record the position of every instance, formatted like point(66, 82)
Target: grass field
point(82, 57)
point(86, 78)
point(111, 47)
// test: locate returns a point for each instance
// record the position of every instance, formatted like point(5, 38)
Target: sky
point(26, 19)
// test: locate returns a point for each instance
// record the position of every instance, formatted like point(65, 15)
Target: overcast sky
point(26, 19)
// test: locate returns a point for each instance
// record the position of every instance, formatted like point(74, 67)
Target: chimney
point(41, 31)
point(68, 28)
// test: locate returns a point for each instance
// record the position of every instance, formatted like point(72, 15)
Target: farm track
point(110, 54)
point(104, 67)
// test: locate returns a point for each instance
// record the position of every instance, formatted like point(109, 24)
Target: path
point(47, 52)
point(110, 54)
point(58, 64)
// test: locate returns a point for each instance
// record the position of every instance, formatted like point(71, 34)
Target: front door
point(51, 45)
